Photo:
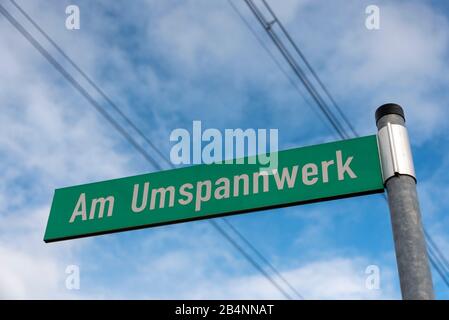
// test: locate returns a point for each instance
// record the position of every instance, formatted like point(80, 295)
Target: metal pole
point(400, 182)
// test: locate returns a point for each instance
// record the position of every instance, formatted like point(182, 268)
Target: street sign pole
point(400, 182)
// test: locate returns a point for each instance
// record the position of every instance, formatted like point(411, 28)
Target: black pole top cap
point(389, 108)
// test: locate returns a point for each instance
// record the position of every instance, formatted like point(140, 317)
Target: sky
point(168, 63)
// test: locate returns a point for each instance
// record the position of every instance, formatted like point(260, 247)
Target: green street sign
point(303, 175)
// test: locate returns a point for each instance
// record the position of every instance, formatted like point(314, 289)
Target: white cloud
point(49, 138)
point(30, 269)
point(333, 278)
point(200, 265)
point(403, 62)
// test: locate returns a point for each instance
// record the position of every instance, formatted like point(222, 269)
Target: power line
point(269, 30)
point(439, 264)
point(261, 270)
point(278, 64)
point(312, 71)
point(261, 257)
point(77, 86)
point(267, 25)
point(437, 259)
point(440, 254)
point(115, 124)
point(89, 80)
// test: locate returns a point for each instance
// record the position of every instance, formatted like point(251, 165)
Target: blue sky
point(167, 63)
